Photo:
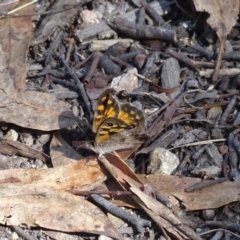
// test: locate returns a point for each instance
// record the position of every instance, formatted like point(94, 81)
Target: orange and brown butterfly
point(117, 126)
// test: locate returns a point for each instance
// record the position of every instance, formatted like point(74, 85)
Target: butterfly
point(117, 125)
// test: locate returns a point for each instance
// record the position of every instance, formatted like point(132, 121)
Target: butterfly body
point(117, 126)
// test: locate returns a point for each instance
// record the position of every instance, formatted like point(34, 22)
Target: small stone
point(14, 236)
point(25, 165)
point(103, 237)
point(208, 214)
point(38, 163)
point(162, 161)
point(214, 112)
point(127, 81)
point(12, 135)
point(44, 138)
point(28, 140)
point(4, 160)
point(75, 110)
point(117, 222)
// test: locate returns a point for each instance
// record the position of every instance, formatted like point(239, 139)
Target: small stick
point(78, 83)
point(204, 184)
point(95, 62)
point(119, 212)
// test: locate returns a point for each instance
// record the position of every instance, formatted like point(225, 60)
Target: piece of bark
point(108, 65)
point(90, 32)
point(223, 72)
point(170, 76)
point(138, 31)
point(103, 45)
point(58, 20)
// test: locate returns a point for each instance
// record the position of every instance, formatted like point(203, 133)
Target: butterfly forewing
point(107, 107)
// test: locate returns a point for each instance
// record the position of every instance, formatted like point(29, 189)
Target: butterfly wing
point(117, 126)
point(132, 116)
point(107, 107)
point(114, 134)
point(108, 128)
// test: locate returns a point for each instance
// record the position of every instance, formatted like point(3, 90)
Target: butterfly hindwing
point(108, 128)
point(131, 115)
point(113, 134)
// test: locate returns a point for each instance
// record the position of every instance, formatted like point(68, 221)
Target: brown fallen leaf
point(29, 109)
point(55, 210)
point(223, 16)
point(126, 178)
point(14, 39)
point(210, 197)
point(163, 216)
point(79, 174)
point(120, 171)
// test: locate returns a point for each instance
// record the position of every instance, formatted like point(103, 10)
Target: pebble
point(14, 236)
point(12, 135)
point(162, 161)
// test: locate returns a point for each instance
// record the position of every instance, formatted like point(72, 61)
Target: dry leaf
point(163, 216)
point(78, 174)
point(29, 109)
point(120, 171)
point(210, 197)
point(15, 38)
point(46, 208)
point(223, 16)
point(33, 110)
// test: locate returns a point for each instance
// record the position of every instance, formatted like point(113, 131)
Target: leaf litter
point(45, 194)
